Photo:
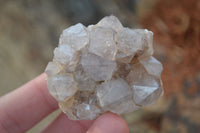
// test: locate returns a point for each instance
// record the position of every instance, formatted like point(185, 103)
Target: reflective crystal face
point(111, 92)
point(146, 85)
point(104, 67)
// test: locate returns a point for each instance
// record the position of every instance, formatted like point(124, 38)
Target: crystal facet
point(111, 22)
point(102, 43)
point(104, 67)
point(62, 86)
point(76, 36)
point(98, 68)
point(131, 42)
point(111, 92)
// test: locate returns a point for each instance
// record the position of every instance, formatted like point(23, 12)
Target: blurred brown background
point(30, 29)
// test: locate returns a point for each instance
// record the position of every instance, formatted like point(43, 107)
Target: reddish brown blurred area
point(176, 27)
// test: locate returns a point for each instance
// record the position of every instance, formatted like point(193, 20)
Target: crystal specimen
point(104, 67)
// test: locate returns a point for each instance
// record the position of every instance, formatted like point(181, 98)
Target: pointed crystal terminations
point(104, 67)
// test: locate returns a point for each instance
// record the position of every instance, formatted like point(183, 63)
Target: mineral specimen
point(104, 67)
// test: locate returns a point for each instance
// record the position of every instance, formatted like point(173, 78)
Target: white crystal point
point(76, 36)
point(66, 55)
point(146, 95)
point(152, 66)
point(104, 67)
point(102, 43)
point(87, 111)
point(146, 88)
point(52, 68)
point(111, 22)
point(62, 86)
point(112, 92)
point(97, 68)
point(131, 42)
point(148, 35)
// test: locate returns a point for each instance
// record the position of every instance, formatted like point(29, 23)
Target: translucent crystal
point(62, 86)
point(87, 111)
point(146, 87)
point(104, 67)
point(148, 35)
point(102, 43)
point(131, 42)
point(121, 57)
point(85, 82)
point(67, 56)
point(98, 68)
point(52, 68)
point(75, 36)
point(111, 22)
point(111, 92)
point(66, 107)
point(152, 66)
point(124, 107)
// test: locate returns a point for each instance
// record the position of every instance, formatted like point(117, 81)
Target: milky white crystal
point(60, 84)
point(75, 36)
point(111, 22)
point(98, 69)
point(131, 42)
point(102, 43)
point(104, 67)
point(113, 91)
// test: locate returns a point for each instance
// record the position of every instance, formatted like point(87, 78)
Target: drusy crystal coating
point(104, 67)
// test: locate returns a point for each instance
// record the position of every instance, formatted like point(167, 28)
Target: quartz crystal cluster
point(104, 67)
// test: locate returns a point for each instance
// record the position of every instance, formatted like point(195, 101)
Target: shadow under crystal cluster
point(104, 67)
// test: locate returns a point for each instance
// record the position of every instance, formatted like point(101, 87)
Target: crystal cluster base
point(104, 67)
